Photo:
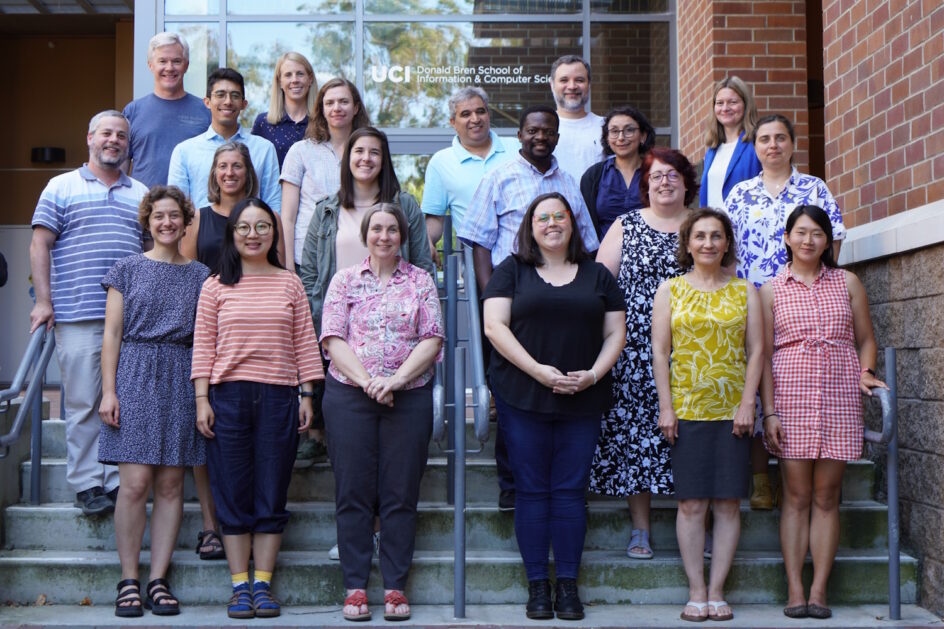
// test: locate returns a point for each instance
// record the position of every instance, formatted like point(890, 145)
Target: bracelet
point(868, 370)
point(770, 415)
point(307, 393)
point(594, 374)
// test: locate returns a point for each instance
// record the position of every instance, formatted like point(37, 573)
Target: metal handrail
point(889, 437)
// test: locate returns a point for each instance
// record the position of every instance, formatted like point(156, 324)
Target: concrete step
point(863, 525)
point(492, 577)
point(316, 483)
point(493, 616)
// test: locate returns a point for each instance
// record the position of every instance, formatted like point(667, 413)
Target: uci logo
point(394, 74)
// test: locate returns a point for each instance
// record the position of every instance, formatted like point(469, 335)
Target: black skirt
point(708, 461)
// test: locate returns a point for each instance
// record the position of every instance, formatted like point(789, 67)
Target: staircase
point(51, 549)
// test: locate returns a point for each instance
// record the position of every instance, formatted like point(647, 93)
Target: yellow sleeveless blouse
point(708, 360)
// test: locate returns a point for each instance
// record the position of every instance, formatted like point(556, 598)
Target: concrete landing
point(601, 616)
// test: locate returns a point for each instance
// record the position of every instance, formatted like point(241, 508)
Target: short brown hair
point(684, 258)
point(675, 159)
point(528, 250)
point(157, 193)
point(386, 208)
point(252, 181)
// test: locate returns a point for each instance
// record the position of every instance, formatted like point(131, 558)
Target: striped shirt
point(503, 197)
point(257, 330)
point(95, 225)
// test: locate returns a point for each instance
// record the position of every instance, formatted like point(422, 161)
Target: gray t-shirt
point(157, 126)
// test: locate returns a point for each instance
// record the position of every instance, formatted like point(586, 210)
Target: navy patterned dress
point(632, 456)
point(156, 407)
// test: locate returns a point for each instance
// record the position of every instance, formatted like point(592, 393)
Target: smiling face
point(806, 240)
point(252, 245)
point(707, 242)
point(383, 236)
point(366, 159)
point(225, 103)
point(168, 65)
point(624, 136)
point(773, 145)
point(471, 122)
point(538, 137)
point(231, 174)
point(339, 108)
point(551, 226)
point(571, 87)
point(666, 185)
point(166, 222)
point(729, 108)
point(294, 81)
point(108, 144)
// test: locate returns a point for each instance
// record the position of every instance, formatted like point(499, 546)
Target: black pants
point(506, 480)
point(378, 454)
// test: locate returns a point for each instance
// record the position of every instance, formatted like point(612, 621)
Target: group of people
point(245, 300)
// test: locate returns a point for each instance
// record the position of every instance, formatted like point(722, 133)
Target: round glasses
point(262, 228)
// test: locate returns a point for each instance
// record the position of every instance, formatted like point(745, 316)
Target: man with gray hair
point(85, 221)
point(580, 145)
point(167, 116)
point(454, 173)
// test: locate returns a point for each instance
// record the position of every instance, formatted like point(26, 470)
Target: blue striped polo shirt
point(95, 225)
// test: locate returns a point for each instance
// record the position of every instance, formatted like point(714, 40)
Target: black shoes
point(506, 500)
point(566, 600)
point(94, 501)
point(539, 600)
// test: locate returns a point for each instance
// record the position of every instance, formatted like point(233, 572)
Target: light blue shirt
point(192, 159)
point(503, 197)
point(454, 173)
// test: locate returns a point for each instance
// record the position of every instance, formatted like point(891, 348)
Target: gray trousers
point(378, 454)
point(79, 351)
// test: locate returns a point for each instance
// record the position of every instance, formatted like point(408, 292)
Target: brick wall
point(763, 42)
point(884, 81)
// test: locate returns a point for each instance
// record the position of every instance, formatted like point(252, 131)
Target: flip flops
point(357, 598)
point(716, 605)
point(701, 607)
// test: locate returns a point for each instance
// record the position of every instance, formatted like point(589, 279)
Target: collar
point(86, 173)
point(533, 169)
point(791, 181)
point(402, 267)
point(285, 118)
point(464, 154)
point(211, 134)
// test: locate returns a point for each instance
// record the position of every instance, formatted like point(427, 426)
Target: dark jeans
point(550, 456)
point(250, 459)
point(378, 454)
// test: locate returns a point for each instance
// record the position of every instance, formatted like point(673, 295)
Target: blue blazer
point(743, 165)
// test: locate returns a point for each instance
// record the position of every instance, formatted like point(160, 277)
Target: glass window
point(469, 7)
point(411, 172)
point(203, 39)
point(289, 7)
point(254, 48)
point(412, 68)
point(629, 6)
point(630, 63)
point(191, 7)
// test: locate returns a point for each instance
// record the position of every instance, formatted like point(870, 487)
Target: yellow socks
point(263, 576)
point(240, 578)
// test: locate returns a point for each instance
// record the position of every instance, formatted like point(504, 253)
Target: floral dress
point(632, 457)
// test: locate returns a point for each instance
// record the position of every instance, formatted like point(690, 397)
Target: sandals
point(716, 605)
point(132, 596)
point(158, 592)
point(211, 540)
point(396, 598)
point(240, 604)
point(357, 598)
point(639, 547)
point(701, 607)
point(263, 603)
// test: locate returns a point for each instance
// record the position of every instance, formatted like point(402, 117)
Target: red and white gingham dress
point(816, 367)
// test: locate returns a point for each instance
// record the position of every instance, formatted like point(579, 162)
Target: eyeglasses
point(671, 175)
point(558, 217)
point(262, 228)
point(628, 132)
point(221, 95)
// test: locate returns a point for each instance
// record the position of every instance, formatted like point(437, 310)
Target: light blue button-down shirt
point(453, 174)
point(192, 159)
point(503, 197)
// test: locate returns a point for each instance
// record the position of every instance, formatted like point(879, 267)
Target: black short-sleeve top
point(560, 326)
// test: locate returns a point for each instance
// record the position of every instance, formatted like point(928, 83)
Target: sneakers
point(335, 555)
point(506, 500)
point(309, 452)
point(94, 501)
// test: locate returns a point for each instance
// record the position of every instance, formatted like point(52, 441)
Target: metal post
point(36, 429)
point(458, 423)
point(452, 333)
point(894, 569)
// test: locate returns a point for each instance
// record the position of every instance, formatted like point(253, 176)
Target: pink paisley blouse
point(382, 324)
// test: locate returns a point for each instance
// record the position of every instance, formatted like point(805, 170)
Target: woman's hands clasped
point(565, 384)
point(381, 388)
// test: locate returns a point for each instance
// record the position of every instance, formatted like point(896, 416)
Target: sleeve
point(269, 188)
point(336, 312)
point(608, 286)
point(430, 322)
point(308, 271)
point(304, 343)
point(832, 209)
point(116, 277)
point(293, 168)
point(419, 239)
point(480, 224)
point(703, 188)
point(589, 184)
point(502, 282)
point(128, 113)
point(435, 201)
point(588, 231)
point(177, 174)
point(48, 212)
point(205, 331)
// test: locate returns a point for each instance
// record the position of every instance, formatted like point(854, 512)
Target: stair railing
point(889, 437)
point(33, 365)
